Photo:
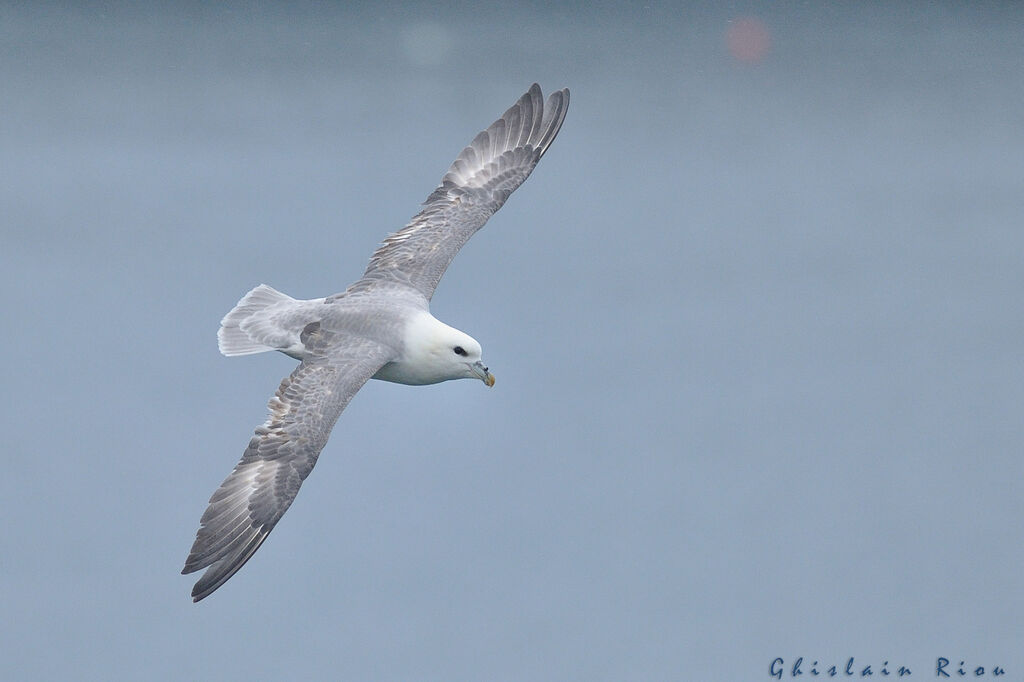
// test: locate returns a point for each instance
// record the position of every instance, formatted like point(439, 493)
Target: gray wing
point(258, 492)
point(476, 185)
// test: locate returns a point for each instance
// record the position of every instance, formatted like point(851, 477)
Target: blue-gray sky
point(756, 322)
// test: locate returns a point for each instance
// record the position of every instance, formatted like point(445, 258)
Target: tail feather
point(231, 337)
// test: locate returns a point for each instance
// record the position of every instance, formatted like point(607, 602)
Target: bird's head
point(436, 352)
point(462, 356)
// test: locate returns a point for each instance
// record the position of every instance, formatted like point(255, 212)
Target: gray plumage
point(380, 327)
point(476, 185)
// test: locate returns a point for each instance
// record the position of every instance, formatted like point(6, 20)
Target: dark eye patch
point(459, 350)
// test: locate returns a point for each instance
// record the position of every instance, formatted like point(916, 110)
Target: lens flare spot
point(427, 44)
point(748, 39)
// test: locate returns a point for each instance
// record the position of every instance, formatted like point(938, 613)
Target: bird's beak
point(482, 373)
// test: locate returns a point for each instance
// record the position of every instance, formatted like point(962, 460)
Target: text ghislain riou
point(943, 668)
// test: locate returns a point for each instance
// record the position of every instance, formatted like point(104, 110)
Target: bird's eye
point(459, 350)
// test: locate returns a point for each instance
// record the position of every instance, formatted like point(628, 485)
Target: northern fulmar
point(378, 328)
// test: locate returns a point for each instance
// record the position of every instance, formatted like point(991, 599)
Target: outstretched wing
point(495, 163)
point(251, 501)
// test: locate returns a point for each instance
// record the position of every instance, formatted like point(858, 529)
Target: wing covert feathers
point(281, 454)
point(483, 175)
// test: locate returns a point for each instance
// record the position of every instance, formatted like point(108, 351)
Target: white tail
point(240, 332)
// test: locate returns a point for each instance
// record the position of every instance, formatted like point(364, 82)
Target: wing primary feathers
point(554, 115)
point(476, 185)
point(264, 483)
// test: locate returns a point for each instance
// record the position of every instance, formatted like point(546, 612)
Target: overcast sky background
point(756, 322)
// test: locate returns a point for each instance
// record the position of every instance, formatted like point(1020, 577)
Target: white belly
point(407, 373)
